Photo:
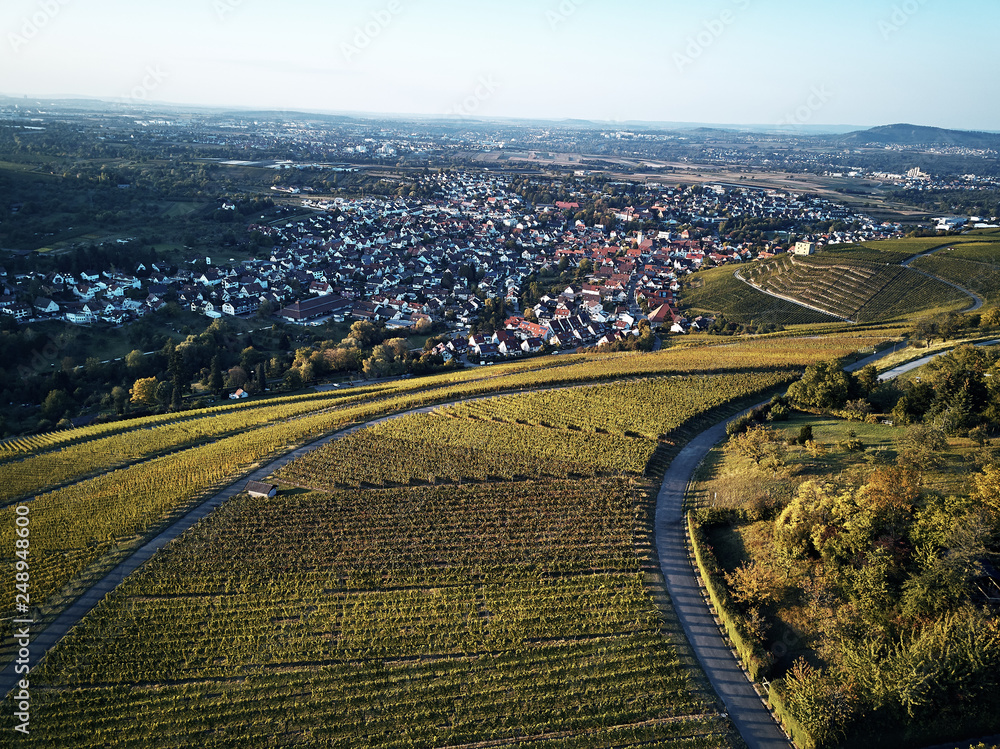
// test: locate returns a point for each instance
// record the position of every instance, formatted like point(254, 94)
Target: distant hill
point(916, 135)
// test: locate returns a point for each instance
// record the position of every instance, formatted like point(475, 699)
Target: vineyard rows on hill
point(718, 291)
point(23, 447)
point(858, 291)
point(652, 408)
point(433, 449)
point(409, 617)
point(75, 527)
point(978, 277)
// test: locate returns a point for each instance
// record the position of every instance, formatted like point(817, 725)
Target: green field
point(980, 278)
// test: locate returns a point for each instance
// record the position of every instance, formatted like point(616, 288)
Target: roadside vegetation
point(856, 530)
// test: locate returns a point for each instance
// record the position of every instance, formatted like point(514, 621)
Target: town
point(410, 263)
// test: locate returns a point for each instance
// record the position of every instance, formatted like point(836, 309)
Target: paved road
point(977, 300)
point(746, 710)
point(748, 713)
point(902, 369)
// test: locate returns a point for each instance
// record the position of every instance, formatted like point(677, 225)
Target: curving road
point(977, 300)
point(747, 711)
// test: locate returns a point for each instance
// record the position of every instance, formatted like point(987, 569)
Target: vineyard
point(859, 291)
point(432, 449)
point(978, 277)
point(474, 574)
point(23, 447)
point(874, 252)
point(719, 292)
point(652, 409)
point(403, 617)
point(981, 250)
point(83, 529)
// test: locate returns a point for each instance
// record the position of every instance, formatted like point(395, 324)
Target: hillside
point(719, 292)
point(916, 135)
point(479, 574)
point(857, 290)
point(867, 283)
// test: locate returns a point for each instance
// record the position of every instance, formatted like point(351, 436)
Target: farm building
point(258, 489)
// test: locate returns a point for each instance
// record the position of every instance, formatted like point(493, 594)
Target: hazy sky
point(863, 62)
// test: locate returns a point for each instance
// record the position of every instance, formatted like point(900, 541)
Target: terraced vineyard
point(717, 291)
point(876, 252)
point(858, 291)
point(410, 616)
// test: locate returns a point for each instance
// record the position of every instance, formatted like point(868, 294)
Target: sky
point(770, 62)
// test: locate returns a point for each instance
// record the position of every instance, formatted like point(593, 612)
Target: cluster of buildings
point(408, 261)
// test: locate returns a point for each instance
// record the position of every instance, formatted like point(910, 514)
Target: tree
point(236, 377)
point(761, 445)
point(120, 398)
point(135, 361)
point(825, 385)
point(921, 446)
point(868, 380)
point(164, 394)
point(293, 380)
point(990, 318)
point(367, 334)
point(56, 404)
point(144, 392)
point(215, 381)
point(925, 330)
point(891, 494)
point(819, 703)
point(987, 489)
